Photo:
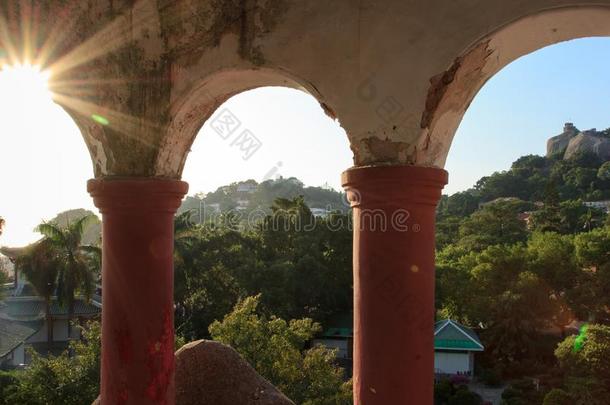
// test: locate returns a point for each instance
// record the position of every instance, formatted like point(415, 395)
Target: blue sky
point(45, 165)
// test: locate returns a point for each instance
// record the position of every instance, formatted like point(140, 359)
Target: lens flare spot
point(100, 119)
point(579, 342)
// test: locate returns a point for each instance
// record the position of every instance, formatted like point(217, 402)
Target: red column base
point(137, 288)
point(394, 217)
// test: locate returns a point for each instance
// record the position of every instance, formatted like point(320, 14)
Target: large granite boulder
point(210, 373)
point(559, 143)
point(589, 141)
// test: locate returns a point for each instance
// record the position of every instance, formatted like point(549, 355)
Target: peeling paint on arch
point(452, 91)
point(449, 96)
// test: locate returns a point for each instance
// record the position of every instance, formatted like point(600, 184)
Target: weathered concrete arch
point(453, 91)
point(190, 111)
point(398, 74)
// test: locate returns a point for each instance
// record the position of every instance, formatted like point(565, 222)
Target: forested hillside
point(523, 258)
point(549, 193)
point(243, 198)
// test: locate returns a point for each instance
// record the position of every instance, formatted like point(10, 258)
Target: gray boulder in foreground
point(210, 373)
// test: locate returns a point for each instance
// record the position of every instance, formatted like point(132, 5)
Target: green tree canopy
point(584, 359)
point(65, 379)
point(276, 349)
point(76, 263)
point(496, 223)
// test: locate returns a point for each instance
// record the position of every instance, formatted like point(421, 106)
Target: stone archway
point(452, 91)
point(199, 102)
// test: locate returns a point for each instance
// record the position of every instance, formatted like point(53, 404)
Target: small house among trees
point(454, 348)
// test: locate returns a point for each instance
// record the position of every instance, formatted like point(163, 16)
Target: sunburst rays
point(25, 83)
point(33, 38)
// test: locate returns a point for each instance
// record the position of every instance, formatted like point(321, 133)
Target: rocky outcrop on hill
point(559, 143)
point(588, 141)
point(572, 142)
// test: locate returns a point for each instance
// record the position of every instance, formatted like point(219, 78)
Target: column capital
point(374, 184)
point(137, 194)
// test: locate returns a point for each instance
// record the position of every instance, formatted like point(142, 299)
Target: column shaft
point(137, 288)
point(394, 217)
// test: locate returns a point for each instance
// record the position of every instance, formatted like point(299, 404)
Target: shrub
point(7, 380)
point(277, 350)
point(65, 379)
point(491, 377)
point(448, 393)
point(465, 397)
point(522, 392)
point(558, 397)
point(443, 390)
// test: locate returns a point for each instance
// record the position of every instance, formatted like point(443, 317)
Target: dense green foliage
point(76, 261)
point(522, 392)
point(586, 366)
point(60, 265)
point(276, 349)
point(299, 263)
point(520, 255)
point(447, 392)
point(550, 190)
point(516, 291)
point(65, 379)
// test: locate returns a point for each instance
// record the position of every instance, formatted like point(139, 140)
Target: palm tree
point(183, 244)
point(75, 271)
point(40, 264)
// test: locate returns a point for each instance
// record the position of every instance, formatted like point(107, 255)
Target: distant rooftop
point(26, 309)
point(12, 334)
point(450, 335)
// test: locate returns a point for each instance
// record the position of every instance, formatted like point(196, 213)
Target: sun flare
point(24, 85)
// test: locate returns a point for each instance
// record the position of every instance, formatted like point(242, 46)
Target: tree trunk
point(49, 320)
point(70, 316)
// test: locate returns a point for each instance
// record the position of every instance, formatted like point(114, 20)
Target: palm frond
point(39, 264)
point(91, 250)
point(77, 229)
point(53, 232)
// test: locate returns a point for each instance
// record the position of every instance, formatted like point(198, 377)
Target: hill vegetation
point(245, 198)
point(523, 258)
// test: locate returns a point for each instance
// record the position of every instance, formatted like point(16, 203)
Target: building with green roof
point(454, 348)
point(454, 344)
point(340, 336)
point(23, 323)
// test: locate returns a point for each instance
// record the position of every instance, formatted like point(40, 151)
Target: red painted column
point(137, 288)
point(394, 218)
